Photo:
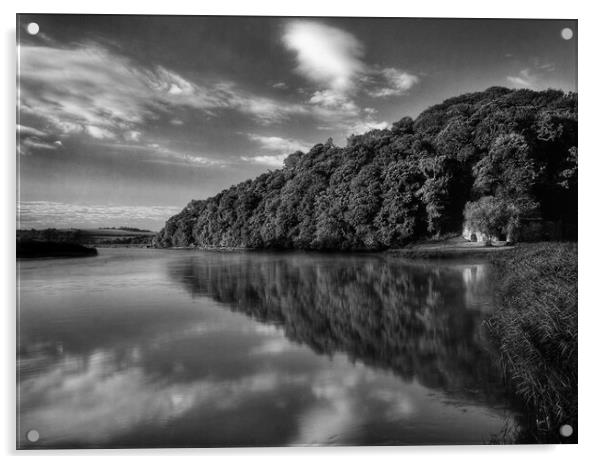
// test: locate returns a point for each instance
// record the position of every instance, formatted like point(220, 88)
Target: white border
point(590, 320)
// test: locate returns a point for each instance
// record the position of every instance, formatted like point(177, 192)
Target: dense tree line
point(489, 158)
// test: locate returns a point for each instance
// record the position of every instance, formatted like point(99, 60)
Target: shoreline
point(456, 247)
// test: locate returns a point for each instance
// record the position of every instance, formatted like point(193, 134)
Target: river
point(184, 348)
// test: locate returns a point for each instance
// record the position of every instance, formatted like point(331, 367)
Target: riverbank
point(451, 248)
point(51, 249)
point(456, 247)
point(535, 329)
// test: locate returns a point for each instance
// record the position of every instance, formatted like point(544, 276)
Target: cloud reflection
point(206, 376)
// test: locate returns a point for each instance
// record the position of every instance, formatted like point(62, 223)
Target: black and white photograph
point(274, 231)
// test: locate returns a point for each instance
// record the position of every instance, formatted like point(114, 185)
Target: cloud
point(157, 153)
point(274, 143)
point(366, 125)
point(535, 76)
point(525, 78)
point(333, 60)
point(325, 54)
point(280, 85)
point(333, 100)
point(279, 146)
point(133, 135)
point(99, 132)
point(31, 138)
point(89, 90)
point(30, 131)
point(396, 82)
point(171, 156)
point(269, 160)
point(32, 143)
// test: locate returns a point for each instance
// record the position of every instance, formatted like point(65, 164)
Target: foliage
point(488, 214)
point(388, 187)
point(535, 325)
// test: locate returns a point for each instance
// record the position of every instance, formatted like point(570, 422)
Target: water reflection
point(419, 320)
point(270, 350)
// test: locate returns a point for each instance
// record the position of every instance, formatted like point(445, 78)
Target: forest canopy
point(487, 158)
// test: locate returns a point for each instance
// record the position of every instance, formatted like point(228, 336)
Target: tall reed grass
point(535, 327)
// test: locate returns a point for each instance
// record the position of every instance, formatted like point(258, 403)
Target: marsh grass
point(535, 327)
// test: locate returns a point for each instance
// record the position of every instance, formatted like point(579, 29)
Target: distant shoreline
point(28, 249)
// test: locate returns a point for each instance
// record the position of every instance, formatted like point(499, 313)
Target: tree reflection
point(423, 322)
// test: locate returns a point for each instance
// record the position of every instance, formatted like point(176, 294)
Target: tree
point(488, 215)
point(489, 157)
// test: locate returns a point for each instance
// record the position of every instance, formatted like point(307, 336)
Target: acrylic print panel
point(269, 231)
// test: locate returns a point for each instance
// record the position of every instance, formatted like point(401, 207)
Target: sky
point(122, 120)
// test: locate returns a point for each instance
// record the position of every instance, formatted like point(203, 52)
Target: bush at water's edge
point(535, 327)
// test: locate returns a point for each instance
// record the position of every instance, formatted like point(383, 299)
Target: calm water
point(158, 348)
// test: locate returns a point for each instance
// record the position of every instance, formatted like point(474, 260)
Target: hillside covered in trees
point(489, 159)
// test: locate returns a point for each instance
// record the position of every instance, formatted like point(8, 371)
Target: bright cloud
point(99, 132)
point(325, 54)
point(332, 59)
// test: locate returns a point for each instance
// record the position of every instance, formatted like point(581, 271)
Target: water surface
point(165, 348)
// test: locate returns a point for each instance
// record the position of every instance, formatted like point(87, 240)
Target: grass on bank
point(535, 327)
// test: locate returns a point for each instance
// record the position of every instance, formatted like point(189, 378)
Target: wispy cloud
point(274, 143)
point(32, 138)
point(27, 131)
point(525, 78)
point(90, 90)
point(170, 156)
point(392, 82)
point(269, 160)
point(534, 76)
point(277, 148)
point(159, 153)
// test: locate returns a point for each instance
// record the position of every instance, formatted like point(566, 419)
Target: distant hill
point(490, 158)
